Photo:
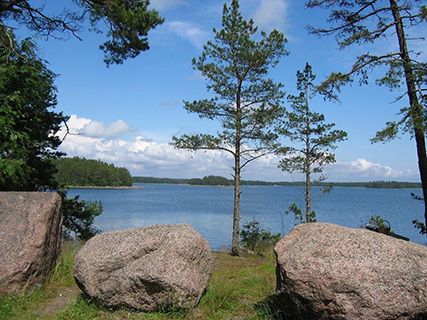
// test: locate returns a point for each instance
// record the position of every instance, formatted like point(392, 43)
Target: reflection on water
point(209, 209)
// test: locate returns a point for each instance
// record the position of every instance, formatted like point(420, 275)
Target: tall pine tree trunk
point(307, 162)
point(416, 111)
point(236, 211)
point(307, 176)
point(308, 194)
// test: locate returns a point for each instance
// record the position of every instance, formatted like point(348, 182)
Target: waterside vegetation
point(222, 181)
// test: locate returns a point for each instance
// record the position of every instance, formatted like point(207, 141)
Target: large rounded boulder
point(325, 271)
point(152, 268)
point(30, 238)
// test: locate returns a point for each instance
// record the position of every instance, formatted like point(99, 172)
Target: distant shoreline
point(199, 182)
point(221, 181)
point(340, 185)
point(105, 187)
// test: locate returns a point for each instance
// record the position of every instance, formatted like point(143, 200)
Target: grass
point(27, 306)
point(240, 288)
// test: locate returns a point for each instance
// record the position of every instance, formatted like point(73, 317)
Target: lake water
point(209, 209)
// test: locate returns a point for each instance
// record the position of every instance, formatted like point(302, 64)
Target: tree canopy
point(27, 119)
point(246, 102)
point(126, 23)
point(84, 172)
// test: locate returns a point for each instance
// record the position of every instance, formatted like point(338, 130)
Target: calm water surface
point(209, 209)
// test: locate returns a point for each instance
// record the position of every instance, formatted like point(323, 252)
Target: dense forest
point(221, 181)
point(83, 172)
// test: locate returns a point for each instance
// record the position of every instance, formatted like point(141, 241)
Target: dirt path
point(59, 303)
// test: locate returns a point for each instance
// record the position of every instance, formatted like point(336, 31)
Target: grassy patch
point(240, 288)
point(29, 305)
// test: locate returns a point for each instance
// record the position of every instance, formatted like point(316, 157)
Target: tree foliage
point(299, 216)
point(83, 172)
point(28, 140)
point(27, 119)
point(422, 227)
point(245, 102)
point(78, 217)
point(368, 22)
point(125, 22)
point(364, 22)
point(312, 138)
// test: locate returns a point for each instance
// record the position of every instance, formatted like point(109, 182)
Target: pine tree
point(312, 138)
point(245, 101)
point(363, 22)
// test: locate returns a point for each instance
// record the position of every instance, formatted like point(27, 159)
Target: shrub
point(380, 224)
point(256, 239)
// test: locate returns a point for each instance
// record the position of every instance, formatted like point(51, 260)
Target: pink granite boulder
point(148, 269)
point(30, 238)
point(325, 271)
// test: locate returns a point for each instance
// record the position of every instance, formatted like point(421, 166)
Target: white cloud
point(190, 32)
point(76, 123)
point(271, 14)
point(96, 129)
point(149, 157)
point(365, 170)
point(341, 171)
point(141, 156)
point(165, 4)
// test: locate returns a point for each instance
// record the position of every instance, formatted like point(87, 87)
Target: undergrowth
point(240, 288)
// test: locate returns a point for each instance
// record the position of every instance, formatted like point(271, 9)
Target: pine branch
point(256, 157)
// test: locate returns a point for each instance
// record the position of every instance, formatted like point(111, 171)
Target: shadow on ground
point(269, 309)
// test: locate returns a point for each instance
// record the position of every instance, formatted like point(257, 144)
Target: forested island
point(222, 181)
point(90, 173)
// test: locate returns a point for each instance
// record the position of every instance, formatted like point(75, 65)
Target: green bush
point(256, 239)
point(380, 223)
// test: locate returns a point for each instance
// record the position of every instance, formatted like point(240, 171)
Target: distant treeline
point(392, 184)
point(221, 181)
point(205, 181)
point(83, 172)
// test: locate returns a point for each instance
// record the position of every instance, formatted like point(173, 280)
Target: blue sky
point(127, 114)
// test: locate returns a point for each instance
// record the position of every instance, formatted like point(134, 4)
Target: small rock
point(148, 268)
point(325, 271)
